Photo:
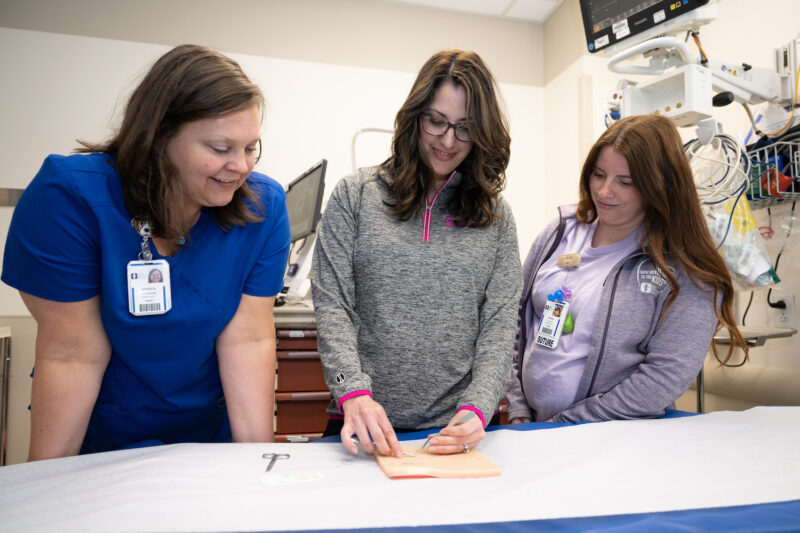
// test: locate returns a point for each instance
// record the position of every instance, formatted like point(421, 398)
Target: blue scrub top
point(71, 238)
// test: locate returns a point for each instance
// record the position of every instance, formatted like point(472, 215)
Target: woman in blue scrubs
point(125, 361)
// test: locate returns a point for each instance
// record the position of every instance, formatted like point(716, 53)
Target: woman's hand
point(453, 437)
point(366, 418)
point(520, 420)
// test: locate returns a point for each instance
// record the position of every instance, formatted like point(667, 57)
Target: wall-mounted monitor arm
point(665, 52)
point(747, 84)
point(750, 85)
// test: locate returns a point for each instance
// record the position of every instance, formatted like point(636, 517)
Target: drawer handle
point(302, 396)
point(297, 355)
point(297, 333)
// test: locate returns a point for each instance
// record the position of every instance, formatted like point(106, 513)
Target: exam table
point(731, 471)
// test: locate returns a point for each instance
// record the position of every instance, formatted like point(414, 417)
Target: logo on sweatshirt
point(451, 223)
point(339, 378)
point(651, 278)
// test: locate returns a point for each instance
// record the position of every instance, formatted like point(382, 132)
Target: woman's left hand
point(458, 438)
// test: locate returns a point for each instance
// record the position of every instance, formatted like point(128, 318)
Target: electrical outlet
point(785, 317)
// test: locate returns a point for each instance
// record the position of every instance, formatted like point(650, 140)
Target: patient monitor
point(613, 25)
point(684, 87)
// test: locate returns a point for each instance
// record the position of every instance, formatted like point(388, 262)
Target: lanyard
point(149, 285)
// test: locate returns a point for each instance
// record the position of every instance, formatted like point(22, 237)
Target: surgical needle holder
point(427, 442)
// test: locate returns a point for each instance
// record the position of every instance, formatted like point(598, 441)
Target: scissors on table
point(272, 458)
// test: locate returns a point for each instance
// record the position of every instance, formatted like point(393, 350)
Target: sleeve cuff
point(520, 413)
point(353, 394)
point(474, 410)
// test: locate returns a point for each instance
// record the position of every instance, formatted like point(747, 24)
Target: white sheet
point(714, 460)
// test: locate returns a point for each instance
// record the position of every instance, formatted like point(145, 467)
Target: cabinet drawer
point(301, 412)
point(300, 371)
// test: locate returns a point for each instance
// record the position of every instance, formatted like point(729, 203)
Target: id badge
point(552, 323)
point(149, 289)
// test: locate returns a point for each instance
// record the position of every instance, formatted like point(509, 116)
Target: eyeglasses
point(436, 127)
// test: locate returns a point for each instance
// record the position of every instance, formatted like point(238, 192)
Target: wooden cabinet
point(503, 413)
point(301, 396)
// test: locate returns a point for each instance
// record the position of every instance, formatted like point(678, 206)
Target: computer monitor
point(612, 25)
point(304, 200)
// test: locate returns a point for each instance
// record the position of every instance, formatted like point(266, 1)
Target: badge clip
point(568, 260)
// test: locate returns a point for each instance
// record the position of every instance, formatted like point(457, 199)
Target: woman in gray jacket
point(623, 294)
point(416, 272)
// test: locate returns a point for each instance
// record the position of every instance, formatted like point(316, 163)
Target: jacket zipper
point(426, 223)
point(605, 334)
point(608, 320)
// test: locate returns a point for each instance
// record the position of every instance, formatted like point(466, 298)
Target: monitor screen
point(304, 200)
point(609, 22)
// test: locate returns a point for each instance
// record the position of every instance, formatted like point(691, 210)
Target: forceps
point(405, 453)
point(427, 442)
point(272, 458)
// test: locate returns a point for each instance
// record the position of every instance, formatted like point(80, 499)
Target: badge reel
point(552, 324)
point(149, 289)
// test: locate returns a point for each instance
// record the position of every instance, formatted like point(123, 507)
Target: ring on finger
point(466, 448)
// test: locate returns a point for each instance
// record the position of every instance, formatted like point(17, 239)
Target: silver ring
point(466, 447)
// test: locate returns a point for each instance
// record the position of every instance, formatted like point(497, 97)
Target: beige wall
point(357, 33)
point(564, 41)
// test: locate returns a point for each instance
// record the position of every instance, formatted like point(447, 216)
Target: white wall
point(62, 87)
point(66, 87)
point(361, 33)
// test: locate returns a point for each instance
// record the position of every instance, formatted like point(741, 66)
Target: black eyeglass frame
point(449, 125)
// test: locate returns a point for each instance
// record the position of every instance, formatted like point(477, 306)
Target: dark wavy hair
point(187, 83)
point(483, 170)
point(674, 226)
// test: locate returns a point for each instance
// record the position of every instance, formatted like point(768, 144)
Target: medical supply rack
point(774, 174)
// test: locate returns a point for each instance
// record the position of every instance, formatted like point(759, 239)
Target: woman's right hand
point(366, 418)
point(521, 420)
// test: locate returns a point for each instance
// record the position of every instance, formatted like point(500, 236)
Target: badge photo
point(149, 289)
point(552, 323)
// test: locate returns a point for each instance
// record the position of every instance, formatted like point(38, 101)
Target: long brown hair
point(674, 226)
point(187, 83)
point(483, 170)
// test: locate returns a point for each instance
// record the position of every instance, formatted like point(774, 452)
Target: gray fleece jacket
point(425, 327)
point(637, 365)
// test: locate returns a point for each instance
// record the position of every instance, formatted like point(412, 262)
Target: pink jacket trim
point(474, 410)
point(426, 224)
point(353, 394)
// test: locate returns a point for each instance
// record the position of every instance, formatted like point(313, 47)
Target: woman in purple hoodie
point(622, 293)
